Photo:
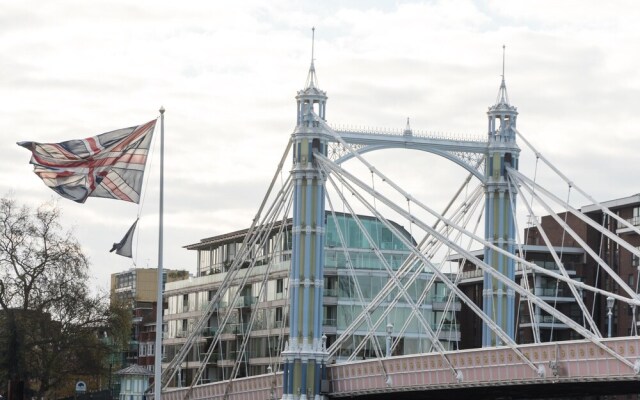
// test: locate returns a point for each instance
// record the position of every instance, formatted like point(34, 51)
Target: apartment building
point(579, 265)
point(263, 301)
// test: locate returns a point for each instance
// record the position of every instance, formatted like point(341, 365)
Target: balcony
point(209, 331)
point(330, 322)
point(245, 301)
point(557, 294)
point(635, 221)
point(330, 292)
point(543, 321)
point(440, 303)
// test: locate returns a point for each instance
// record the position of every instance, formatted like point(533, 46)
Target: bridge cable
point(570, 282)
point(596, 226)
point(433, 268)
point(535, 327)
point(605, 217)
point(483, 265)
point(557, 291)
point(392, 275)
point(589, 197)
point(170, 371)
point(499, 276)
point(479, 239)
point(354, 277)
point(249, 243)
point(247, 333)
point(271, 218)
point(434, 245)
point(524, 280)
point(367, 236)
point(350, 268)
point(429, 250)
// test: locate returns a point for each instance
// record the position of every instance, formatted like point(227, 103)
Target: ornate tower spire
point(312, 79)
point(305, 360)
point(503, 112)
point(311, 99)
point(503, 97)
point(498, 301)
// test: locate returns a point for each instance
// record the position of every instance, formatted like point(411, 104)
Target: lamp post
point(610, 301)
point(389, 331)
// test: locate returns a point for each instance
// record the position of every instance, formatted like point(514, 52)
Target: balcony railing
point(330, 322)
point(330, 292)
point(245, 301)
point(553, 292)
point(635, 221)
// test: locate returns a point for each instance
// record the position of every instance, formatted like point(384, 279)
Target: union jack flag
point(109, 165)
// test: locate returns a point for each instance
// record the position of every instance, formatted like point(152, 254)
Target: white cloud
point(228, 74)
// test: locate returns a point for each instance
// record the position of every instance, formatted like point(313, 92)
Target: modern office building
point(269, 306)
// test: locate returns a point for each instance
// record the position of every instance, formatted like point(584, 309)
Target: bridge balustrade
point(570, 361)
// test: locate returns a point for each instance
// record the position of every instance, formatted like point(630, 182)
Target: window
point(185, 303)
point(150, 349)
point(142, 350)
point(278, 314)
point(279, 285)
point(636, 216)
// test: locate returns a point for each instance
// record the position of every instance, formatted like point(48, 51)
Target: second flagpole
point(157, 381)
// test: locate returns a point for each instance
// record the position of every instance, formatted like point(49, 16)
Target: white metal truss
point(487, 269)
point(244, 252)
point(446, 232)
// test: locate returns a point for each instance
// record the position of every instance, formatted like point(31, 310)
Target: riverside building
point(341, 303)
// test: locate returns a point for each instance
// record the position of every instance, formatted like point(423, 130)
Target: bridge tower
point(304, 356)
point(497, 301)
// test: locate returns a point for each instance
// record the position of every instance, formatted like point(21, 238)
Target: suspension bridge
point(334, 197)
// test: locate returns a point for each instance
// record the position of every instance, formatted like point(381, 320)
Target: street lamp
point(389, 331)
point(610, 301)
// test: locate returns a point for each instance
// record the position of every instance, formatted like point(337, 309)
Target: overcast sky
point(227, 74)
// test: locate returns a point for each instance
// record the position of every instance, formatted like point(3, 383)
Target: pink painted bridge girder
point(576, 361)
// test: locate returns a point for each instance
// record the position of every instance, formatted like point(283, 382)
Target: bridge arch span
point(428, 148)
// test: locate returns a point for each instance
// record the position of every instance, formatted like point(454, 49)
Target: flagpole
point(157, 381)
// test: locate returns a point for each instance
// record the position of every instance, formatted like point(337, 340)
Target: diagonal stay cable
point(558, 259)
point(354, 277)
point(394, 278)
point(535, 328)
point(487, 269)
point(592, 223)
point(247, 333)
point(264, 228)
point(585, 194)
point(497, 329)
point(171, 370)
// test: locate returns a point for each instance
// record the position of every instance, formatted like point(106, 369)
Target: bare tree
point(51, 320)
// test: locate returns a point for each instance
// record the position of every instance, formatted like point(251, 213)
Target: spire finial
point(503, 55)
point(407, 129)
point(313, 40)
point(503, 97)
point(312, 80)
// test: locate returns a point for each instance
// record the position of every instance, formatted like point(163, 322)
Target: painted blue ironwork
point(304, 357)
point(304, 351)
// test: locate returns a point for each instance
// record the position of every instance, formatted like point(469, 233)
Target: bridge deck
point(576, 361)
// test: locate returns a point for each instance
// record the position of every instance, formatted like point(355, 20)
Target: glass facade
point(267, 308)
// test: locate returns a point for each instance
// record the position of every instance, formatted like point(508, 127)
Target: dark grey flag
point(124, 247)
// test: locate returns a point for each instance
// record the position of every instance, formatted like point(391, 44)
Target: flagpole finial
point(161, 109)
